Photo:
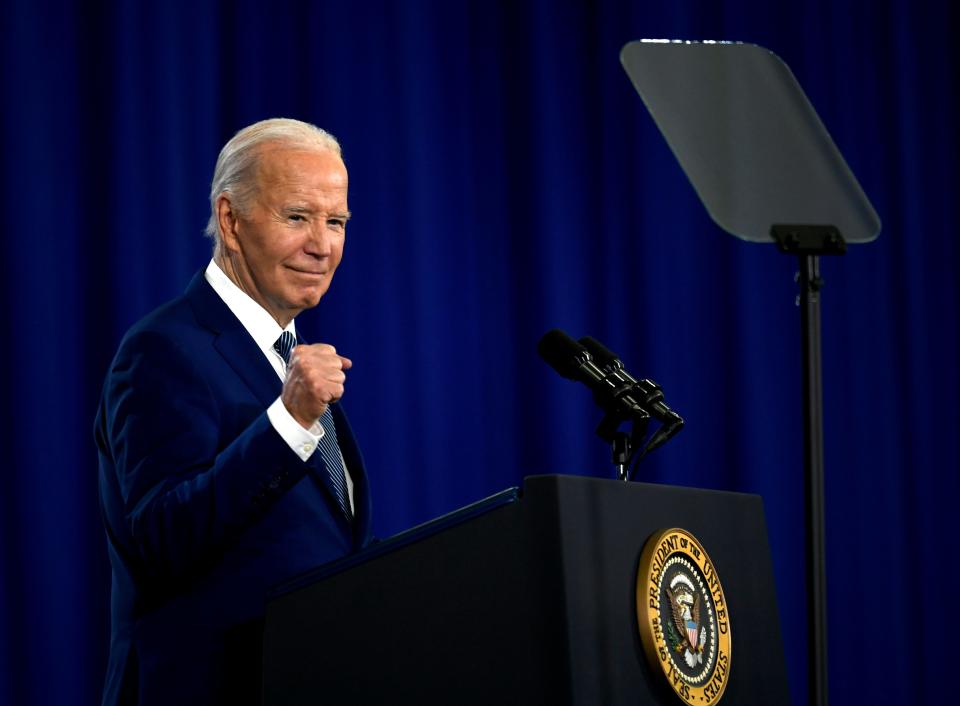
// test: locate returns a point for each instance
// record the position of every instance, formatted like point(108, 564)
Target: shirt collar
point(255, 319)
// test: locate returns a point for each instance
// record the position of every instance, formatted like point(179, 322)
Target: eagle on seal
point(685, 606)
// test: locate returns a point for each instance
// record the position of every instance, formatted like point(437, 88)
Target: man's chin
point(311, 297)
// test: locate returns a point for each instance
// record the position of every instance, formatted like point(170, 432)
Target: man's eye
point(337, 223)
point(296, 217)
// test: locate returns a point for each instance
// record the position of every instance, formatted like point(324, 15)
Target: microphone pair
point(615, 390)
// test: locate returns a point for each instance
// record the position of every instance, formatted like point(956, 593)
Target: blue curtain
point(505, 179)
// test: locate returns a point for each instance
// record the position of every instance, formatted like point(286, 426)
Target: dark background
point(505, 179)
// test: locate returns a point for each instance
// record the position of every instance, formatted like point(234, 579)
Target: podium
point(525, 598)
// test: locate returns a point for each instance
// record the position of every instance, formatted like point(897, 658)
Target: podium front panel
point(532, 602)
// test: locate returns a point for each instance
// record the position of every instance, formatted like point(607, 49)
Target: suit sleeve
point(186, 490)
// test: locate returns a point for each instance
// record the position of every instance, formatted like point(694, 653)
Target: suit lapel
point(233, 341)
point(243, 355)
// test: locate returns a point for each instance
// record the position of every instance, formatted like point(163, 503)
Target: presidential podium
point(528, 597)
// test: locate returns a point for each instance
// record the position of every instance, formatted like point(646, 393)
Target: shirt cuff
point(303, 442)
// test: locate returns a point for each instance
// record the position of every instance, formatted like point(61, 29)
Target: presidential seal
point(683, 617)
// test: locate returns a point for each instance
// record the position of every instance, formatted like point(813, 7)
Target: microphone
point(652, 395)
point(616, 391)
point(574, 362)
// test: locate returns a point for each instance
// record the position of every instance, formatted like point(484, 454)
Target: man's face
point(284, 249)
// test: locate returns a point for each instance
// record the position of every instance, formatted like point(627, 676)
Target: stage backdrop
point(505, 179)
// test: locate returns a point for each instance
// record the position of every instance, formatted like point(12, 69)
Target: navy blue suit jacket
point(205, 506)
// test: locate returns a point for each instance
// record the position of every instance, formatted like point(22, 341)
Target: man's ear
point(228, 219)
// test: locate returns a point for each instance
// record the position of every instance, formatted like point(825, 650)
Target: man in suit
point(226, 463)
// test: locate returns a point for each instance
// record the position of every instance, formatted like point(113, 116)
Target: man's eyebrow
point(296, 208)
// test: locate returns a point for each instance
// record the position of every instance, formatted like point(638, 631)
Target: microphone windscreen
point(561, 352)
point(602, 355)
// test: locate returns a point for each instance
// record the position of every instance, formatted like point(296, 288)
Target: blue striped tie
point(284, 345)
point(329, 450)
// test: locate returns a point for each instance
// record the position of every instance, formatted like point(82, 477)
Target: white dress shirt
point(265, 331)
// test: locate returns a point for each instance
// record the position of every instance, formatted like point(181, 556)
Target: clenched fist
point(315, 378)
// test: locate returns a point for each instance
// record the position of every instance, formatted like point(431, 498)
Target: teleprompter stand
point(766, 170)
point(808, 243)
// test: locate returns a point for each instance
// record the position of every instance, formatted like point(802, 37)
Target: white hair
point(235, 173)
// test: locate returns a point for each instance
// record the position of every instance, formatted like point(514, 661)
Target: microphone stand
point(623, 446)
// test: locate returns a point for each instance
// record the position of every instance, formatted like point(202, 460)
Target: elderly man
point(226, 464)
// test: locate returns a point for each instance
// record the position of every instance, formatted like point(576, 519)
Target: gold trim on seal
point(692, 610)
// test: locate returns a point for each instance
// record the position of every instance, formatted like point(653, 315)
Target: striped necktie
point(329, 449)
point(285, 345)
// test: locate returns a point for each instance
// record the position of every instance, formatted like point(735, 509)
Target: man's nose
point(320, 243)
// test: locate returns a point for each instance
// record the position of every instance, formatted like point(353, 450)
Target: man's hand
point(315, 378)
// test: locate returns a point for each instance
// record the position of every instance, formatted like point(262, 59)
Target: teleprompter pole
point(810, 283)
point(808, 243)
